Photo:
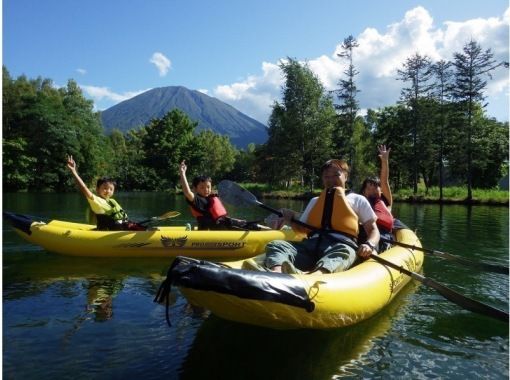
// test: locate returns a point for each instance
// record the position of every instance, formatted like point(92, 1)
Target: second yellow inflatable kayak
point(76, 239)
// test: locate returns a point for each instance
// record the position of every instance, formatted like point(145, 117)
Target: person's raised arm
point(83, 188)
point(384, 155)
point(184, 182)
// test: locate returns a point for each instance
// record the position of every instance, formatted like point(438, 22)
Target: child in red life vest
point(206, 207)
point(378, 193)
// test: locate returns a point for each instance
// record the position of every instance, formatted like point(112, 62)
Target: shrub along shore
point(451, 195)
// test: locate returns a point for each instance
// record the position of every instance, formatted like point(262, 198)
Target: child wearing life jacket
point(378, 193)
point(107, 212)
point(206, 207)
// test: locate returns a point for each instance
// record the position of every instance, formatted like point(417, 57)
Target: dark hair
point(102, 180)
point(200, 178)
point(334, 163)
point(374, 180)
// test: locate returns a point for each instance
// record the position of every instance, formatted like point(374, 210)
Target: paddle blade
point(233, 194)
point(168, 215)
point(451, 295)
point(467, 303)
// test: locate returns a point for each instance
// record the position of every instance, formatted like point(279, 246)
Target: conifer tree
point(300, 128)
point(471, 67)
point(348, 107)
point(441, 90)
point(416, 70)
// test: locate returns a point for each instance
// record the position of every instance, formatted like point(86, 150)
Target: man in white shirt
point(334, 218)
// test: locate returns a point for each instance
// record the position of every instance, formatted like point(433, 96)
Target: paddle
point(234, 194)
point(445, 255)
point(166, 215)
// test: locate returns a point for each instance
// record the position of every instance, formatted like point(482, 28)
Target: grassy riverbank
point(456, 194)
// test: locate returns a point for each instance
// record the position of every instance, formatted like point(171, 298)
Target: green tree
point(441, 91)
point(16, 164)
point(471, 68)
point(217, 154)
point(278, 158)
point(348, 107)
point(389, 125)
point(138, 176)
point(16, 158)
point(119, 162)
point(490, 152)
point(85, 135)
point(300, 128)
point(416, 70)
point(167, 141)
point(41, 124)
point(363, 155)
point(246, 166)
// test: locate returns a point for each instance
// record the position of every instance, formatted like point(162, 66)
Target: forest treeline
point(439, 133)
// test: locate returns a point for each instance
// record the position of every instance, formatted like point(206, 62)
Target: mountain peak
point(209, 112)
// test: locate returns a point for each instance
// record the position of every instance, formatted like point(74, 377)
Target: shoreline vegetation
point(451, 195)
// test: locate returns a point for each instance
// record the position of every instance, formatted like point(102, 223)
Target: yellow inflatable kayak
point(232, 291)
point(77, 239)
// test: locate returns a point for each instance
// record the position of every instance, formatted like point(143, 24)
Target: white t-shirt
point(358, 203)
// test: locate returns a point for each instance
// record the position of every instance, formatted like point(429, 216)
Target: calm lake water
point(80, 318)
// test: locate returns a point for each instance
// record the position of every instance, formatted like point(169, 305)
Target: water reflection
point(100, 295)
point(228, 350)
point(94, 318)
point(29, 274)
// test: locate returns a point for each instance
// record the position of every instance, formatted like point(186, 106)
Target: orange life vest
point(215, 208)
point(332, 211)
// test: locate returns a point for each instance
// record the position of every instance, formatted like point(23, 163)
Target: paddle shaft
point(166, 215)
point(484, 266)
point(449, 294)
point(480, 265)
point(280, 214)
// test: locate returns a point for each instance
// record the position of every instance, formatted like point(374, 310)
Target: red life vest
point(384, 217)
point(215, 208)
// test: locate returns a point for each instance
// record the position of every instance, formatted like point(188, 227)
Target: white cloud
point(81, 71)
point(203, 91)
point(378, 57)
point(162, 63)
point(255, 95)
point(104, 96)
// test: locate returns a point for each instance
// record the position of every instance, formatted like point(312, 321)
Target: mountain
point(209, 112)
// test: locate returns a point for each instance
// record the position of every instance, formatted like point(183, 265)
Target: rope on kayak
point(163, 294)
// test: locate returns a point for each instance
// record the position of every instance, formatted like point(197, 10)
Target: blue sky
point(230, 49)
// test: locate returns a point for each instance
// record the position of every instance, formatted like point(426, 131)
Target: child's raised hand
point(70, 163)
point(183, 167)
point(384, 153)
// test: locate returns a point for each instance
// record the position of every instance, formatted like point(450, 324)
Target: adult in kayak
point(106, 211)
point(207, 207)
point(332, 245)
point(378, 192)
